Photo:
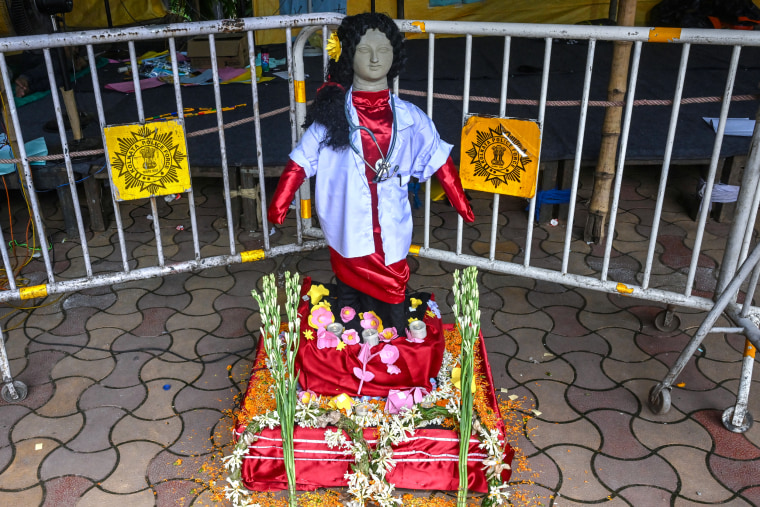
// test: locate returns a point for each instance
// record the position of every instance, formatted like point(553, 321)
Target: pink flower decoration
point(371, 321)
point(350, 337)
point(399, 400)
point(347, 313)
point(363, 375)
point(326, 339)
point(393, 369)
point(365, 353)
point(389, 354)
point(388, 334)
point(320, 317)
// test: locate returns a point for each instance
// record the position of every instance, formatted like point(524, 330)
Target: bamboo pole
point(605, 166)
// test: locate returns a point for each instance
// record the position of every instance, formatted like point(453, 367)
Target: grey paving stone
point(619, 441)
point(128, 398)
point(160, 402)
point(124, 322)
point(190, 398)
point(577, 485)
point(22, 471)
point(98, 424)
point(72, 366)
point(181, 322)
point(31, 496)
point(126, 372)
point(80, 299)
point(589, 343)
point(34, 426)
point(166, 466)
point(650, 471)
point(129, 475)
point(646, 495)
point(153, 322)
point(587, 400)
point(198, 427)
point(655, 435)
point(163, 432)
point(214, 377)
point(74, 324)
point(129, 343)
point(233, 322)
point(9, 416)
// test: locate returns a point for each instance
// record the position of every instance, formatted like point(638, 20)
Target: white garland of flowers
point(392, 430)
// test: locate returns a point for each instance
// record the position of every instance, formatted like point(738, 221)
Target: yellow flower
point(317, 292)
point(333, 47)
point(412, 319)
point(430, 314)
point(341, 402)
point(415, 302)
point(324, 304)
point(456, 379)
point(308, 334)
point(341, 345)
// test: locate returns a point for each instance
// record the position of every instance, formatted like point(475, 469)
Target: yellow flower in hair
point(333, 47)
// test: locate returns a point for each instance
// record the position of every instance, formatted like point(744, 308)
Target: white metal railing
point(307, 236)
point(638, 36)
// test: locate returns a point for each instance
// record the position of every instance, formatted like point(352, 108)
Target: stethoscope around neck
point(382, 167)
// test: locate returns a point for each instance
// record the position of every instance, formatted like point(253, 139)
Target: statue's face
point(372, 61)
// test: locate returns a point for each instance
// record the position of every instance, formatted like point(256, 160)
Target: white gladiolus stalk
point(281, 354)
point(466, 303)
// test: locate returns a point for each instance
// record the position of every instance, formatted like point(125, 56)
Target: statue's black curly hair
point(328, 106)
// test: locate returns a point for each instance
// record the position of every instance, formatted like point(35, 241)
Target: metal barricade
point(743, 221)
point(308, 237)
point(15, 390)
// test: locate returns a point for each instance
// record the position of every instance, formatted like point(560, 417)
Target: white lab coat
point(343, 199)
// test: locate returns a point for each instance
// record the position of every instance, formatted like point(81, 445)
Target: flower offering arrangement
point(368, 444)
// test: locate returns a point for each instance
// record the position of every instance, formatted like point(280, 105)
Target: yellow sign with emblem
point(500, 155)
point(148, 160)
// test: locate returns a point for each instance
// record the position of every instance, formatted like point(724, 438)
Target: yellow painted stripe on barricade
point(414, 249)
point(35, 291)
point(749, 350)
point(305, 209)
point(300, 91)
point(624, 289)
point(664, 34)
point(252, 255)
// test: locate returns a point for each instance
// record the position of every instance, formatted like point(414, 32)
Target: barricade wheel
point(20, 388)
point(728, 416)
point(662, 323)
point(659, 403)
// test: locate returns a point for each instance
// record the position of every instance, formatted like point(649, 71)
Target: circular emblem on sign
point(498, 156)
point(148, 160)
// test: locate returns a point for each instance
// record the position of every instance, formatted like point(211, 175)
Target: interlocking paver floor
point(130, 385)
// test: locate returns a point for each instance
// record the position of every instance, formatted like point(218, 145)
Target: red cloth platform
point(428, 461)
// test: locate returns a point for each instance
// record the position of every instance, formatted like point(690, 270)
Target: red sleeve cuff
point(292, 177)
point(448, 176)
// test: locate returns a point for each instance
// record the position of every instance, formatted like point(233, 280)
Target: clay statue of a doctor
point(364, 144)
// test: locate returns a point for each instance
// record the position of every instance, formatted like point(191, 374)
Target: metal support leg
point(667, 321)
point(13, 390)
point(736, 418)
point(659, 396)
